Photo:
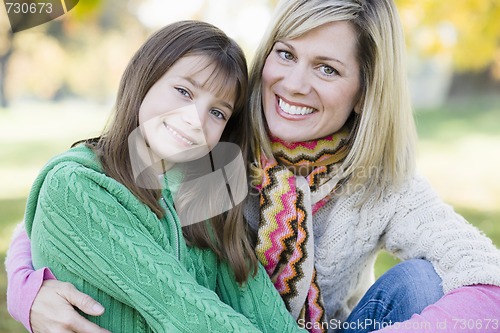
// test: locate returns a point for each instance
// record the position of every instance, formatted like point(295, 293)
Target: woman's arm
point(425, 227)
point(22, 279)
point(94, 236)
point(468, 309)
point(465, 259)
point(53, 310)
point(41, 303)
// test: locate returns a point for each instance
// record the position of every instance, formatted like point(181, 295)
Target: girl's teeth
point(292, 109)
point(180, 136)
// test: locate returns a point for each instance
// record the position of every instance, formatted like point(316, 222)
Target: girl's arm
point(90, 230)
point(256, 300)
point(35, 297)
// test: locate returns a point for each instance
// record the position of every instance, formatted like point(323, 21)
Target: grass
point(459, 153)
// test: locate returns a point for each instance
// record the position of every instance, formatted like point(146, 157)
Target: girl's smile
point(181, 117)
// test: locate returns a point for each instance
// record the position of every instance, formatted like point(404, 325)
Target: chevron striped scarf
point(285, 240)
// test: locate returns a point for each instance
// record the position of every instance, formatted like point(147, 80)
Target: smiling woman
point(309, 87)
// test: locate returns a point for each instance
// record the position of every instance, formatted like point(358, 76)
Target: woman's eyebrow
point(320, 58)
point(287, 44)
point(323, 58)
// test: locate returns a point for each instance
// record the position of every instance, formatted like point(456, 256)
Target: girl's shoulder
point(77, 155)
point(76, 170)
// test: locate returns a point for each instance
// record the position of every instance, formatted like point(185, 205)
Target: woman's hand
point(52, 310)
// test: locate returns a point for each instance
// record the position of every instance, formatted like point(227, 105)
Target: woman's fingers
point(52, 310)
point(80, 300)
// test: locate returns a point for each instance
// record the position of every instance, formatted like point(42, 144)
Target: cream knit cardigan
point(412, 222)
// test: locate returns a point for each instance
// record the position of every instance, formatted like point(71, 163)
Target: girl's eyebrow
point(197, 85)
point(320, 58)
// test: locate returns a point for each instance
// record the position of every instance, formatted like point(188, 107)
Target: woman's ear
point(358, 106)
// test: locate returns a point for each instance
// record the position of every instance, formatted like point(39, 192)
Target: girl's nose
point(193, 117)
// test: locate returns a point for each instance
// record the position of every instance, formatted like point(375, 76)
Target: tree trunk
point(4, 59)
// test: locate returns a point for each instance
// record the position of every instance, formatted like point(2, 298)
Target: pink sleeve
point(22, 279)
point(463, 310)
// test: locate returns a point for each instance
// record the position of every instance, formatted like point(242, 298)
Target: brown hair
point(225, 234)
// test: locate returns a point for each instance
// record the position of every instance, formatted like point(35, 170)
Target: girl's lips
point(182, 137)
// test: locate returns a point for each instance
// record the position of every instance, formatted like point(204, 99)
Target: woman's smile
point(293, 108)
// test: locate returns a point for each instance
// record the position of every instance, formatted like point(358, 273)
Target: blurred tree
point(469, 29)
point(7, 39)
point(6, 50)
point(67, 56)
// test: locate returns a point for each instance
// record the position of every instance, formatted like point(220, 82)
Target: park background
point(58, 83)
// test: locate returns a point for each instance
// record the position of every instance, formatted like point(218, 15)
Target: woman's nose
point(296, 80)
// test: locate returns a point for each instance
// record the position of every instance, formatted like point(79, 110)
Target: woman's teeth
point(292, 109)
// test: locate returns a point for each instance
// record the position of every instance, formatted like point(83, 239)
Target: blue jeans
point(402, 291)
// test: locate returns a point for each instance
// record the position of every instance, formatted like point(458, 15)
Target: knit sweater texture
point(93, 232)
point(411, 222)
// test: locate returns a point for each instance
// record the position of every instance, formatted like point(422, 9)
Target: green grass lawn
point(459, 151)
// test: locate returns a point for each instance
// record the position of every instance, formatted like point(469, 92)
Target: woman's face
point(182, 117)
point(311, 84)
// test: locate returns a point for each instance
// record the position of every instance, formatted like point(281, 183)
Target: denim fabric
point(402, 291)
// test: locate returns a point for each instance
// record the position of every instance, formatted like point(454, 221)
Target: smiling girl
point(92, 221)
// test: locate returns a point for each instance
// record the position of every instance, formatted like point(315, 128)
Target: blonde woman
point(334, 174)
point(333, 182)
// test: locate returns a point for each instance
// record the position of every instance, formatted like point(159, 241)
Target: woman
point(102, 217)
point(334, 181)
point(333, 147)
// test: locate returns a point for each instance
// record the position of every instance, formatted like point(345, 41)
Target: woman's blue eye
point(218, 114)
point(285, 55)
point(328, 70)
point(183, 92)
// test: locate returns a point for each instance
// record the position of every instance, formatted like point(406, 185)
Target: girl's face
point(181, 117)
point(311, 84)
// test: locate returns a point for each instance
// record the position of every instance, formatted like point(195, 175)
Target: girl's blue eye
point(285, 55)
point(183, 92)
point(328, 70)
point(218, 114)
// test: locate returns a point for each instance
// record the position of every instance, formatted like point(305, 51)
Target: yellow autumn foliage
point(469, 29)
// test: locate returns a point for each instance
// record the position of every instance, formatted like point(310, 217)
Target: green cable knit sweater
point(93, 232)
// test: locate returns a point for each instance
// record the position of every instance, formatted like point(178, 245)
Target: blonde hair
point(383, 137)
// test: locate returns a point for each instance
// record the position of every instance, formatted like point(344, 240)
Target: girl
point(97, 215)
